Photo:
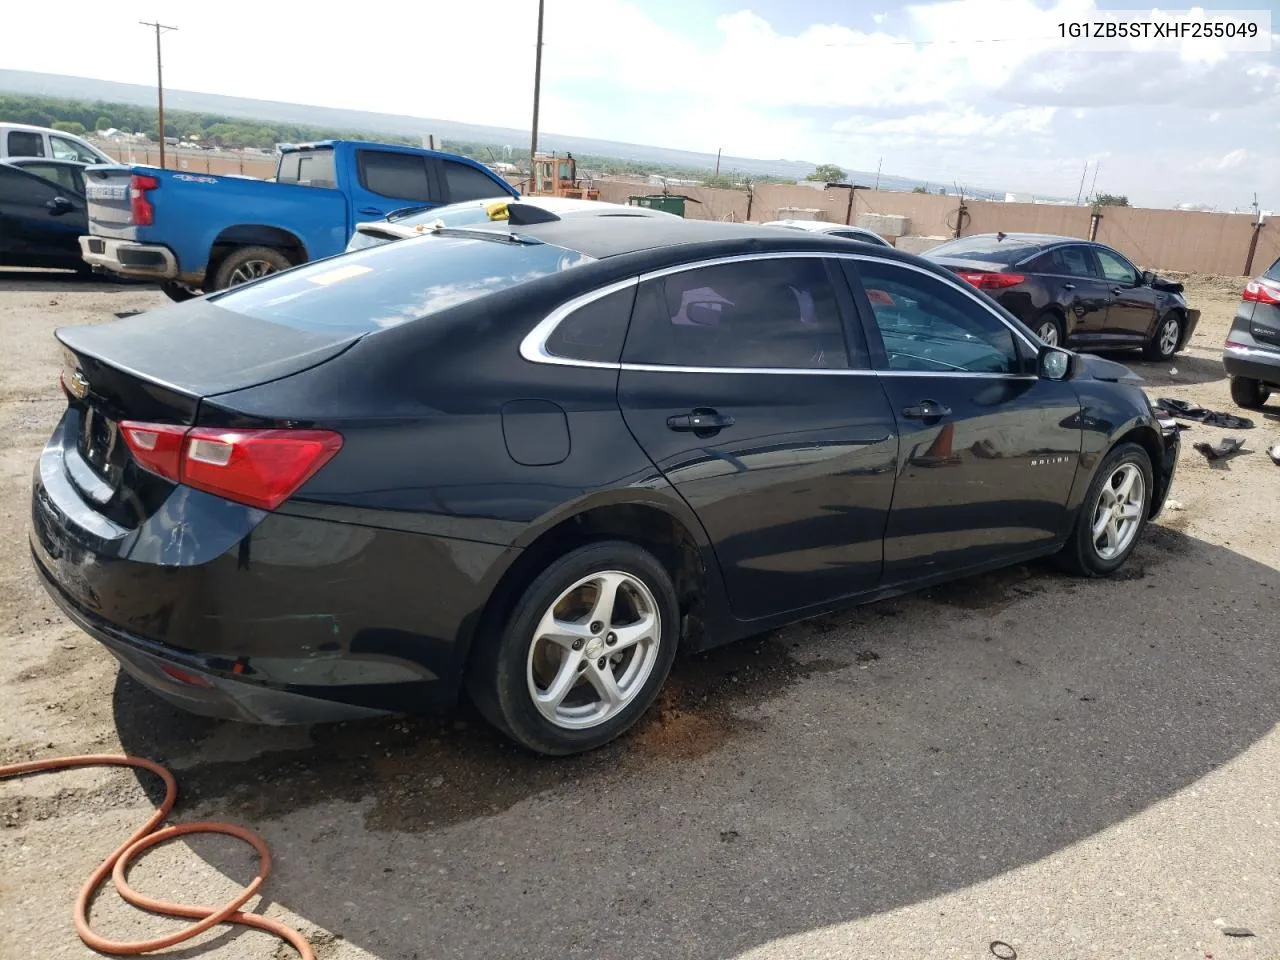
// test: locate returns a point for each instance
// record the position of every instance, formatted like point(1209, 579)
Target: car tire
point(248, 263)
point(1248, 393)
point(1081, 554)
point(572, 713)
point(178, 292)
point(1050, 328)
point(1165, 341)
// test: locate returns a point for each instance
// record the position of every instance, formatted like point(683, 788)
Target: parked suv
point(1252, 354)
point(23, 140)
point(1074, 292)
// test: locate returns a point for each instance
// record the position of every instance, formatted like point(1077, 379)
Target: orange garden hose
point(147, 836)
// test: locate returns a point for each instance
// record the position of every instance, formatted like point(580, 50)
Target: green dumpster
point(666, 202)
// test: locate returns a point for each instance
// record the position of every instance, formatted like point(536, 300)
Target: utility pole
point(537, 88)
point(718, 149)
point(159, 28)
point(1253, 240)
point(1082, 176)
point(1093, 183)
point(878, 166)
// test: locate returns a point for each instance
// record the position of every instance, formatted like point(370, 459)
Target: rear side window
point(310, 168)
point(764, 313)
point(23, 143)
point(64, 176)
point(468, 183)
point(401, 176)
point(20, 187)
point(1066, 262)
point(985, 250)
point(394, 283)
point(595, 331)
point(1273, 272)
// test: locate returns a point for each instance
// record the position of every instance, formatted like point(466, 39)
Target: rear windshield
point(985, 250)
point(466, 214)
point(1274, 272)
point(393, 283)
point(311, 168)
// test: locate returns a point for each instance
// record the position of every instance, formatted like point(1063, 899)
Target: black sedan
point(41, 221)
point(1074, 292)
point(531, 464)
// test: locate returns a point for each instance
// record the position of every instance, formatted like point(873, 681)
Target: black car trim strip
point(534, 346)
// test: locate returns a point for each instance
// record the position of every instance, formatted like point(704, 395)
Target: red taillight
point(1262, 291)
point(261, 468)
point(182, 676)
point(141, 212)
point(991, 281)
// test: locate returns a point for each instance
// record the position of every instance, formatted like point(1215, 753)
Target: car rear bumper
point(1253, 362)
point(1189, 327)
point(129, 258)
point(279, 618)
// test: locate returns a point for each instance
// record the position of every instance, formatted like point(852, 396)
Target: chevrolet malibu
point(528, 466)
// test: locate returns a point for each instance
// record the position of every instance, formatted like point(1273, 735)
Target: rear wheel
point(244, 264)
point(1112, 515)
point(1250, 394)
point(1165, 342)
point(1050, 328)
point(584, 652)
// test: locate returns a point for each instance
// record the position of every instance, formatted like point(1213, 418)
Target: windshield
point(985, 250)
point(394, 283)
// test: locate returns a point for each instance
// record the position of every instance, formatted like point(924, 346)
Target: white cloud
point(1233, 159)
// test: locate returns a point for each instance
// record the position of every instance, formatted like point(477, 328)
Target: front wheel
point(1165, 342)
point(584, 652)
point(1113, 513)
point(177, 292)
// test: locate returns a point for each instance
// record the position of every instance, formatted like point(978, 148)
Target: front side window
point(931, 327)
point(64, 149)
point(777, 313)
point(468, 183)
point(1116, 269)
point(23, 143)
point(401, 176)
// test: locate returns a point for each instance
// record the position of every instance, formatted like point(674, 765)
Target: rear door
point(1071, 277)
point(465, 182)
point(988, 450)
point(1131, 316)
point(738, 383)
point(388, 180)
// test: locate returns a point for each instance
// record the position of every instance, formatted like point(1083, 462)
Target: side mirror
point(1053, 364)
point(1148, 278)
point(59, 205)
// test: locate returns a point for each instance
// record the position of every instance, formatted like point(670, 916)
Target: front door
point(987, 449)
point(1132, 313)
point(739, 384)
point(1074, 271)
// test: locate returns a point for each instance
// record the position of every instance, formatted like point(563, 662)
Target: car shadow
point(842, 767)
point(20, 280)
point(1158, 374)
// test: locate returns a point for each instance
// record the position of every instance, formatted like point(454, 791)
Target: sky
point(975, 92)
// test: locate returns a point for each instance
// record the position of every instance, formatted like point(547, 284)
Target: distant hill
point(80, 88)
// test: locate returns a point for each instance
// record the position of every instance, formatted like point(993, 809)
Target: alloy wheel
point(250, 270)
point(1119, 511)
point(1169, 337)
point(593, 649)
point(1048, 332)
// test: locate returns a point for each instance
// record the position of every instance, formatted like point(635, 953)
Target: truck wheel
point(248, 263)
point(177, 292)
point(1250, 394)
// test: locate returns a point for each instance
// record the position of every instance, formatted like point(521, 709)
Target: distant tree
point(1111, 200)
point(69, 126)
point(827, 173)
point(102, 123)
point(919, 189)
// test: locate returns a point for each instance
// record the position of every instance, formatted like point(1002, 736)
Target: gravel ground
point(1076, 768)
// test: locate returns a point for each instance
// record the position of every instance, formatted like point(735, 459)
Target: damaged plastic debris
point(1184, 410)
point(1237, 932)
point(1273, 452)
point(1224, 450)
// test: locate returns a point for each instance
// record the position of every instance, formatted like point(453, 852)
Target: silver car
point(842, 230)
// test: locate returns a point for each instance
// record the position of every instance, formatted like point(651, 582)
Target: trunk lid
point(106, 190)
point(156, 368)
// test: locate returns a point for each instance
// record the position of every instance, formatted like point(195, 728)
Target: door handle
point(696, 421)
point(370, 211)
point(1116, 291)
point(926, 410)
point(1068, 286)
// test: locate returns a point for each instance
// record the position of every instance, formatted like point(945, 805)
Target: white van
point(21, 140)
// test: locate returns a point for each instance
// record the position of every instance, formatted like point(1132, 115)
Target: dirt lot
point(1075, 768)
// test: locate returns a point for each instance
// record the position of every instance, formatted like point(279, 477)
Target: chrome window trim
point(533, 347)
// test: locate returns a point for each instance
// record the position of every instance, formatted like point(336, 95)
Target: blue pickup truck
point(195, 232)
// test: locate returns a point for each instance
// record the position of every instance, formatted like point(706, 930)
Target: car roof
point(1036, 239)
point(814, 226)
point(605, 237)
point(27, 161)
